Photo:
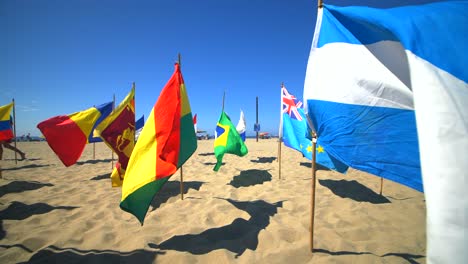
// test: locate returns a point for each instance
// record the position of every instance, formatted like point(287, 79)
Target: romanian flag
point(227, 140)
point(168, 139)
point(118, 132)
point(6, 132)
point(67, 135)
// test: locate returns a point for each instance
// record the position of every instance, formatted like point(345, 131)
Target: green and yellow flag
point(167, 140)
point(227, 140)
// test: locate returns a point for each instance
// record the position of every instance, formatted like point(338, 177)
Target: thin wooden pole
point(224, 96)
point(256, 104)
point(381, 186)
point(14, 129)
point(181, 167)
point(279, 156)
point(320, 3)
point(112, 152)
point(312, 201)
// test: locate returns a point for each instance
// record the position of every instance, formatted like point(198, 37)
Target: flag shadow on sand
point(353, 190)
point(408, 257)
point(29, 166)
point(21, 211)
point(318, 166)
point(53, 254)
point(95, 161)
point(236, 237)
point(250, 177)
point(206, 154)
point(171, 189)
point(105, 176)
point(264, 160)
point(21, 186)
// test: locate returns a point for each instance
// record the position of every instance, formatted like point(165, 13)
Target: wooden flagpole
point(256, 105)
point(112, 152)
point(312, 198)
point(280, 135)
point(181, 167)
point(14, 128)
point(381, 186)
point(314, 157)
point(94, 145)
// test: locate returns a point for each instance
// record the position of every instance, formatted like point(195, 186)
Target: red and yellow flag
point(118, 132)
point(6, 132)
point(168, 139)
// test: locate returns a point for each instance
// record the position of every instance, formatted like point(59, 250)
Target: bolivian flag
point(6, 132)
point(167, 140)
point(67, 135)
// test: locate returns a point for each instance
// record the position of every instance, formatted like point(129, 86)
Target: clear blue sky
point(58, 57)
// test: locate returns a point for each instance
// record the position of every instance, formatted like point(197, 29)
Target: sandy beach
point(241, 214)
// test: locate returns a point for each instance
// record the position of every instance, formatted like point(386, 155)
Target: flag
point(386, 91)
point(106, 109)
point(67, 135)
point(165, 144)
point(227, 140)
point(6, 131)
point(195, 123)
point(118, 132)
point(139, 126)
point(293, 131)
point(241, 126)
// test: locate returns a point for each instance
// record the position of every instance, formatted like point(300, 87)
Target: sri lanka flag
point(227, 140)
point(118, 132)
point(67, 135)
point(168, 139)
point(6, 132)
point(386, 91)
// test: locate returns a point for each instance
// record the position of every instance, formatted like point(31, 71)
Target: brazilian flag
point(227, 140)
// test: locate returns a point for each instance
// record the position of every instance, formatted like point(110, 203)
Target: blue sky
point(58, 57)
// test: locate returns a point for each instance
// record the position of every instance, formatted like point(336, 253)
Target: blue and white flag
point(293, 131)
point(241, 126)
point(386, 91)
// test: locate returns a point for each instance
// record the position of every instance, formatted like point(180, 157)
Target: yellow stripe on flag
point(86, 119)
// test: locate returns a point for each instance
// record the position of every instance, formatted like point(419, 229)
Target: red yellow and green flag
point(166, 142)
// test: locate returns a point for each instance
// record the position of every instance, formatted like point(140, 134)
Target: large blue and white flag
point(241, 126)
point(293, 132)
point(386, 91)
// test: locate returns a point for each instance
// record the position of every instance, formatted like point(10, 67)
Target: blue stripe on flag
point(370, 139)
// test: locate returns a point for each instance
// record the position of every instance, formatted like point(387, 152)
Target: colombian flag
point(67, 135)
point(118, 132)
point(6, 132)
point(168, 139)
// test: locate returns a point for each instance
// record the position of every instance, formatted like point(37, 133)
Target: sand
point(241, 214)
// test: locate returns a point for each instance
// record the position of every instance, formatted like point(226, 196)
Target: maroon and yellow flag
point(118, 132)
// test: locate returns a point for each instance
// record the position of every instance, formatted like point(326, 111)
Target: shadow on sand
point(21, 186)
point(250, 178)
point(408, 257)
point(236, 237)
point(172, 189)
point(93, 161)
point(53, 254)
point(105, 176)
point(354, 190)
point(264, 160)
point(30, 166)
point(309, 165)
